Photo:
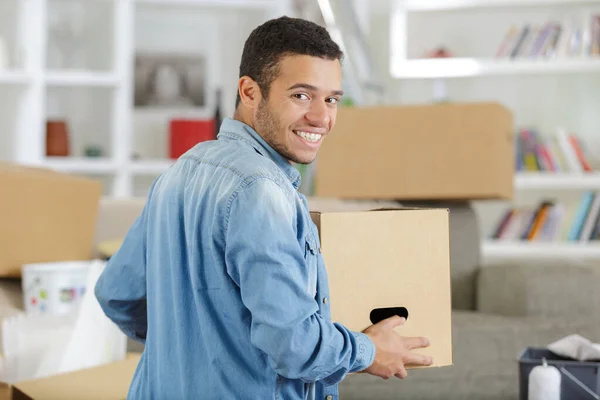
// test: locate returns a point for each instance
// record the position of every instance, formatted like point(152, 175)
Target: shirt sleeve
point(263, 256)
point(121, 288)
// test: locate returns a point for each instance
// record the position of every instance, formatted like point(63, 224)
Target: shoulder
point(239, 159)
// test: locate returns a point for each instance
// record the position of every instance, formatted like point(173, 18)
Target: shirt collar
point(238, 130)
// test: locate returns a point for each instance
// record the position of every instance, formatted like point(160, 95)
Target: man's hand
point(393, 351)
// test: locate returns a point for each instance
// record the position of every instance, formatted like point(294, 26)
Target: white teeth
point(311, 137)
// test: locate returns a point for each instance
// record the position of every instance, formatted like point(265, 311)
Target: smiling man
point(221, 276)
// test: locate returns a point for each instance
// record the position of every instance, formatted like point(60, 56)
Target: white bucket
point(54, 288)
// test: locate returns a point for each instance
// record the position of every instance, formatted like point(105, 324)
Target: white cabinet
point(73, 60)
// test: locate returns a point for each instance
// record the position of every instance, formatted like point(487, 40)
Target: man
point(221, 276)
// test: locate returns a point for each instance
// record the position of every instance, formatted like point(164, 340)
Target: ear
point(249, 92)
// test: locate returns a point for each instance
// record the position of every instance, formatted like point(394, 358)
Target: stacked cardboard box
point(46, 216)
point(430, 152)
point(400, 258)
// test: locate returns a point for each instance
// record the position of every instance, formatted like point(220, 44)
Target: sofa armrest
point(538, 290)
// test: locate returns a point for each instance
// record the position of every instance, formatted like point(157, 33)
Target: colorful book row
point(561, 152)
point(552, 39)
point(552, 221)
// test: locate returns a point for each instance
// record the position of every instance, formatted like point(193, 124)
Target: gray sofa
point(498, 311)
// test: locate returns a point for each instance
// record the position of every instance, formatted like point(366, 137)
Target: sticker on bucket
point(54, 288)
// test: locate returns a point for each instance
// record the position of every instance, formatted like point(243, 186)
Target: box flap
point(108, 382)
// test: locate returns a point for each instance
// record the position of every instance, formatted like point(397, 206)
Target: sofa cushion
point(540, 290)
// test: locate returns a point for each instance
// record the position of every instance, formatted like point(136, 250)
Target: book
point(551, 221)
point(580, 216)
point(571, 37)
point(562, 152)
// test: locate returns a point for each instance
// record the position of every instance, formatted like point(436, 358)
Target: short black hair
point(270, 42)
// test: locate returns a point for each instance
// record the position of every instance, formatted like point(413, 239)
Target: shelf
point(470, 67)
point(81, 78)
point(13, 77)
point(442, 5)
point(151, 167)
point(557, 181)
point(256, 4)
point(500, 251)
point(80, 165)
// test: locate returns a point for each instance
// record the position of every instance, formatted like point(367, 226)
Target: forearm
point(314, 349)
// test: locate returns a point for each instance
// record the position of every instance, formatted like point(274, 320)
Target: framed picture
point(170, 81)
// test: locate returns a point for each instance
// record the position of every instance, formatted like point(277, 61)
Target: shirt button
point(325, 300)
point(329, 397)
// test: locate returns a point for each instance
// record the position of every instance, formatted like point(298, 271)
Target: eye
point(300, 96)
point(332, 100)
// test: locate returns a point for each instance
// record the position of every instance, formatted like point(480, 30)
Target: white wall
point(543, 101)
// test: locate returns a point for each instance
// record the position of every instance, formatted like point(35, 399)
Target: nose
point(318, 114)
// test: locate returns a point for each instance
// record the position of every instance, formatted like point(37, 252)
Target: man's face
point(301, 107)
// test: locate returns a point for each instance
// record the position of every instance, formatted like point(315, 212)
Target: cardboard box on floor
point(391, 258)
point(443, 152)
point(46, 216)
point(107, 382)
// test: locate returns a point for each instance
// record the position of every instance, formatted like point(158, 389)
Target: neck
point(243, 115)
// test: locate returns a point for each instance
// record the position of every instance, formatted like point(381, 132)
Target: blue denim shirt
point(223, 280)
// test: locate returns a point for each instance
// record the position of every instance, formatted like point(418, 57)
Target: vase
point(57, 138)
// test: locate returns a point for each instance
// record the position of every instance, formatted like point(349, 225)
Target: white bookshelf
point(474, 67)
point(223, 4)
point(92, 89)
point(499, 251)
point(445, 5)
point(554, 181)
point(543, 93)
point(14, 77)
point(151, 167)
point(78, 165)
point(82, 78)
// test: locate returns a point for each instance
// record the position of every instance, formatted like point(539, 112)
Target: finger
point(402, 374)
point(393, 322)
point(415, 342)
point(418, 359)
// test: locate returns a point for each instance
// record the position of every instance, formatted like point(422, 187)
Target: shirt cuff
point(366, 352)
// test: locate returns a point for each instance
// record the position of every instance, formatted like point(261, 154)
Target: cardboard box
point(391, 258)
point(442, 152)
point(46, 216)
point(107, 382)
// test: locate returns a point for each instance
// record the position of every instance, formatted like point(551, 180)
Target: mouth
point(310, 137)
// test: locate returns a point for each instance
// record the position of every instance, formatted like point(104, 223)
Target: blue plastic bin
point(579, 379)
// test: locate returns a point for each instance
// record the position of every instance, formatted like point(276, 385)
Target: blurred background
point(116, 90)
point(101, 87)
